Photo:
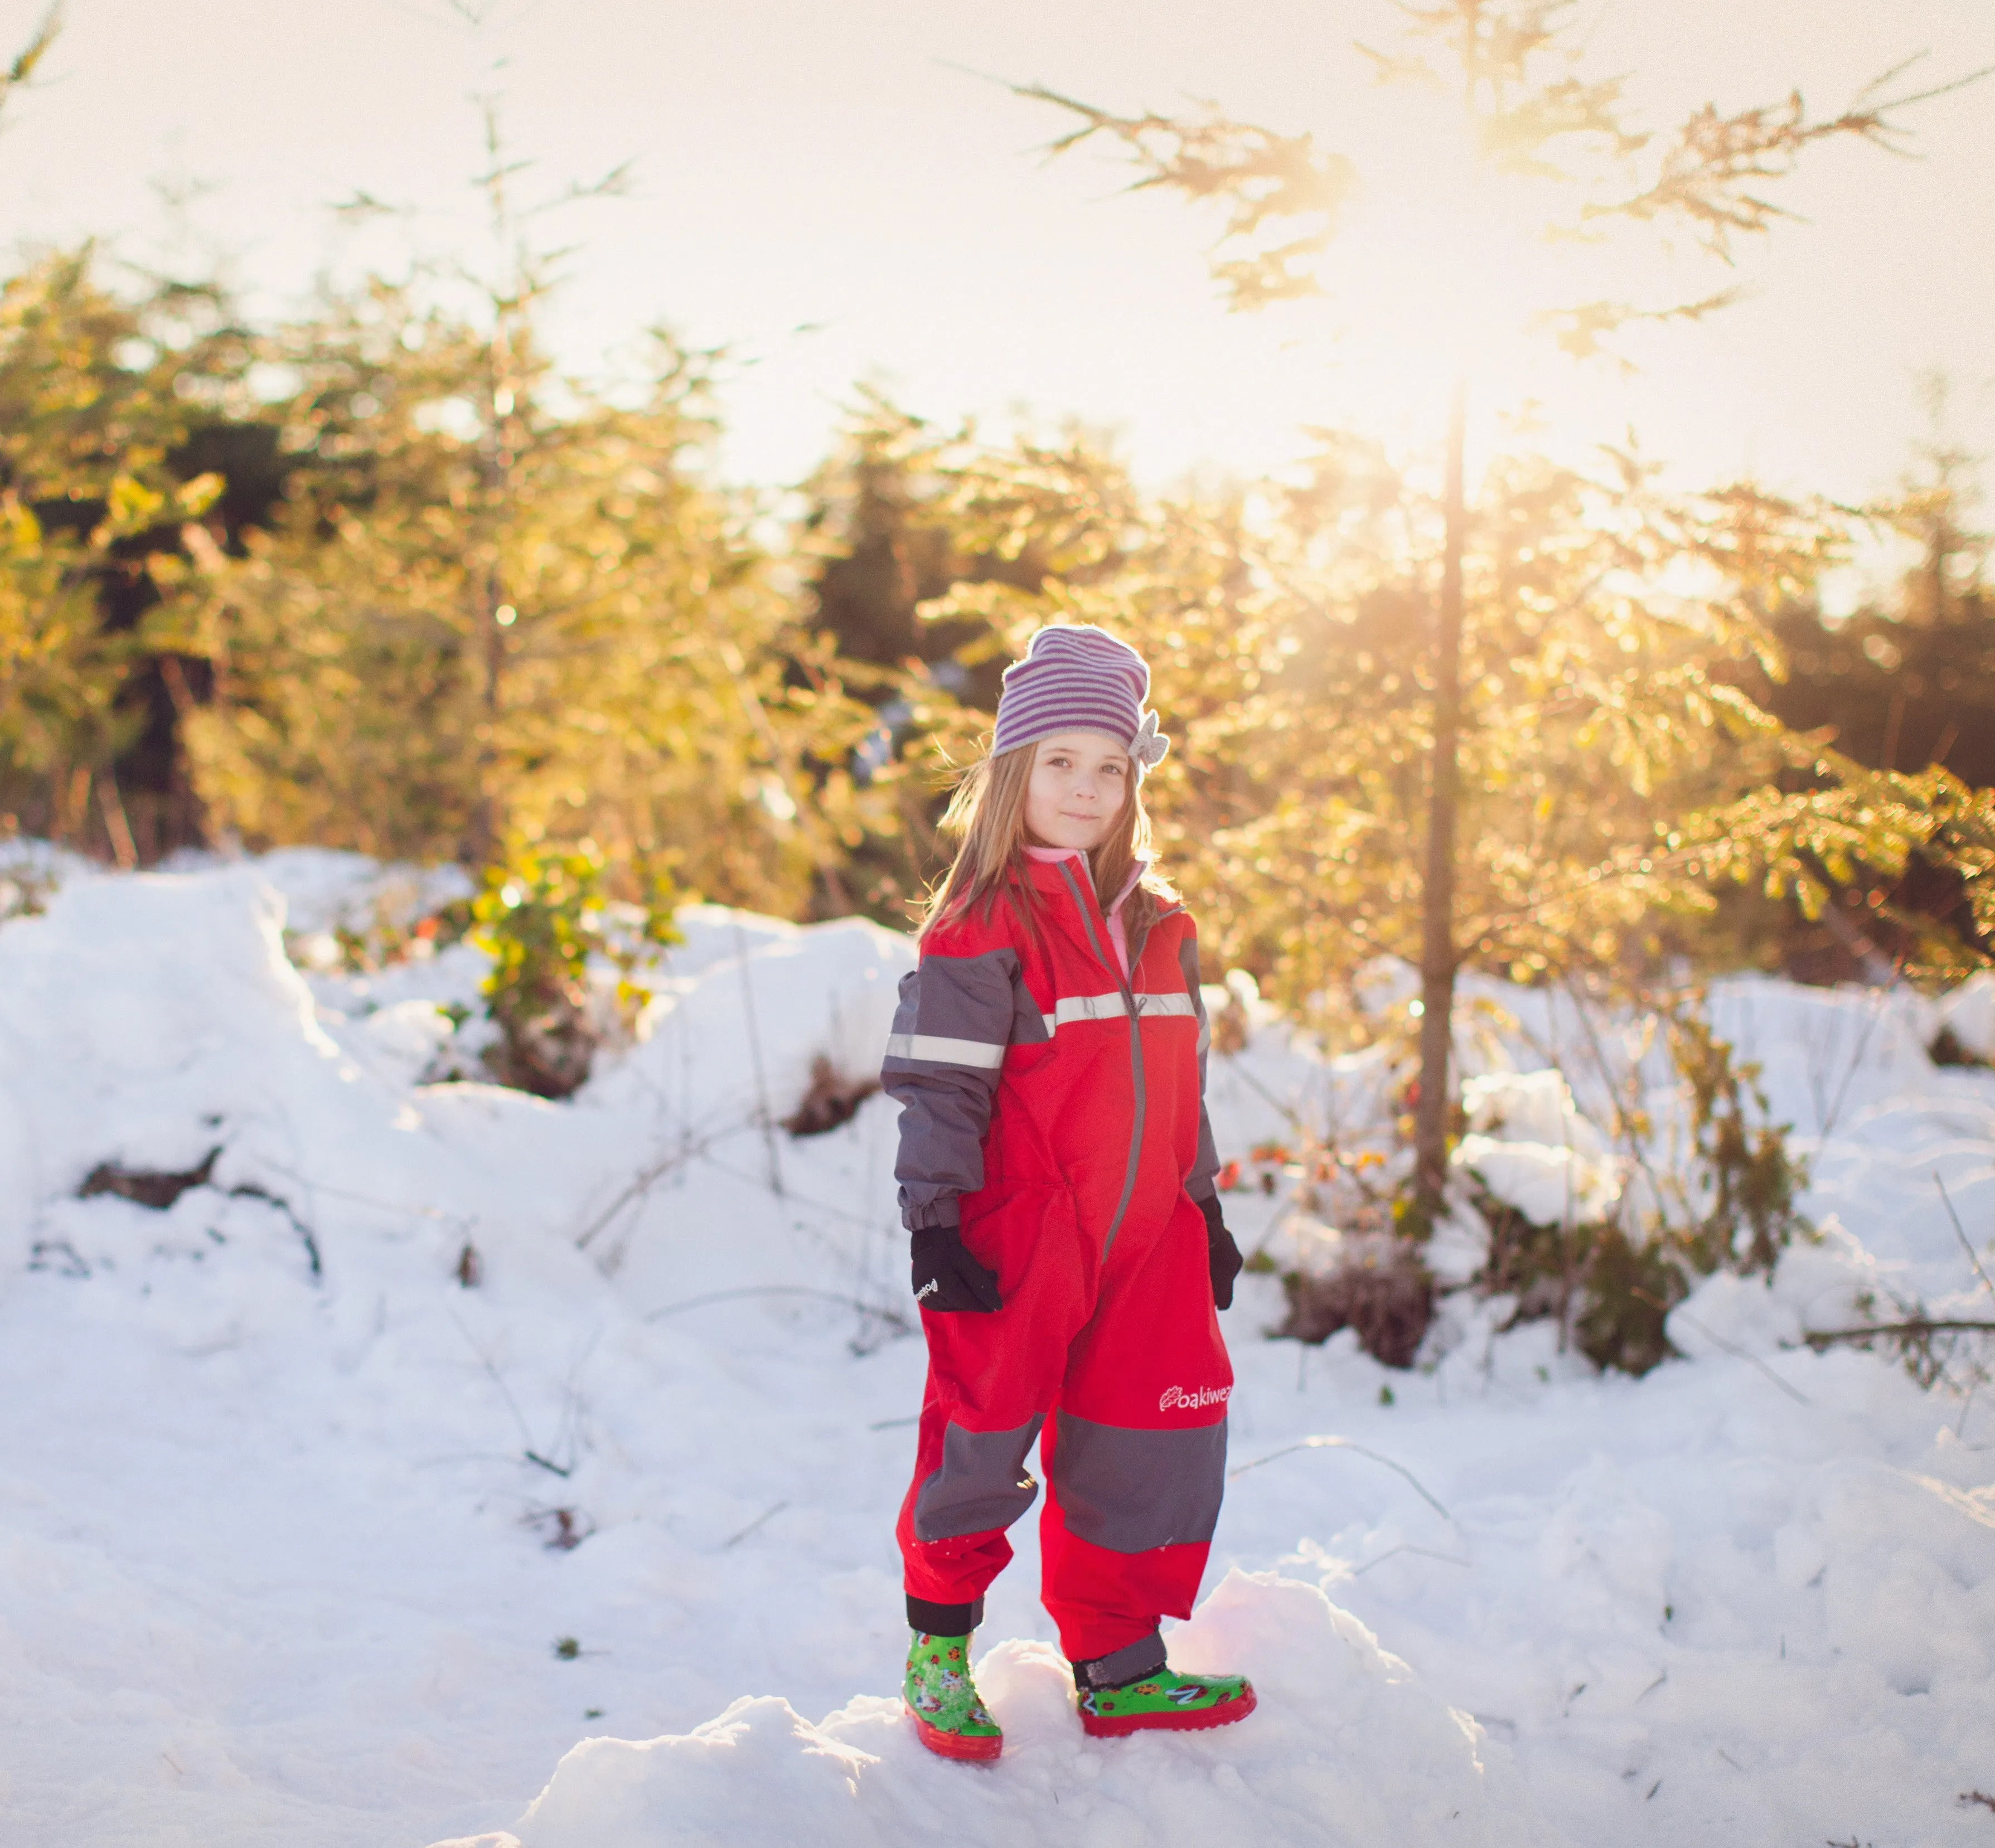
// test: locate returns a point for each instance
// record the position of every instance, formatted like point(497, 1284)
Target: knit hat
point(1075, 677)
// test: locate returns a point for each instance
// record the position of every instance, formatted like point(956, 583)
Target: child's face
point(1079, 782)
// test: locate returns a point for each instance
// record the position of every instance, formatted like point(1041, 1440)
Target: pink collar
point(1048, 856)
point(1118, 935)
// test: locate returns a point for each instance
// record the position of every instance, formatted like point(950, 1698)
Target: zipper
point(1107, 961)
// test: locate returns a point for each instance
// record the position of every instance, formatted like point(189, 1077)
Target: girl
point(1056, 1174)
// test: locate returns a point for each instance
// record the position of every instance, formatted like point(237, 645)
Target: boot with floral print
point(942, 1700)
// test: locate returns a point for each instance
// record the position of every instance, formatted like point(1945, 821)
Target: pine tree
point(98, 395)
point(1531, 117)
point(502, 605)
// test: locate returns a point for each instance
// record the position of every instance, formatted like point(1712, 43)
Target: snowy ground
point(278, 1492)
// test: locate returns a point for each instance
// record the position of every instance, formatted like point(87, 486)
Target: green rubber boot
point(1166, 1701)
point(942, 1700)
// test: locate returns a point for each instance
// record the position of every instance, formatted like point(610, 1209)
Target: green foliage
point(541, 915)
point(1909, 679)
point(25, 888)
point(1740, 1154)
point(494, 606)
point(1629, 1288)
point(1853, 821)
point(96, 392)
point(1603, 620)
point(1536, 121)
point(919, 546)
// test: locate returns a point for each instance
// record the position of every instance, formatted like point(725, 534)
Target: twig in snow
point(755, 1053)
point(249, 1190)
point(893, 1319)
point(506, 1392)
point(561, 1530)
point(459, 1222)
point(734, 1539)
point(641, 1183)
point(870, 1221)
point(1717, 1340)
point(1426, 1552)
point(1335, 1443)
point(1960, 1233)
point(1294, 1116)
point(1918, 1325)
point(567, 1434)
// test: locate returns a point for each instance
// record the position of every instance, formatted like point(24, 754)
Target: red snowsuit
point(1054, 1109)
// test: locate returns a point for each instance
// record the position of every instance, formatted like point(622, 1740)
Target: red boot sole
point(1175, 1719)
point(953, 1745)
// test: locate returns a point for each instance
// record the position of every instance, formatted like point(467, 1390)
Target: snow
point(282, 1502)
point(1528, 1144)
point(1346, 1751)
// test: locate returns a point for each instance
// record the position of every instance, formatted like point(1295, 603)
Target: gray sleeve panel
point(960, 997)
point(1199, 1183)
point(983, 1482)
point(1131, 1490)
point(960, 1008)
point(1029, 1025)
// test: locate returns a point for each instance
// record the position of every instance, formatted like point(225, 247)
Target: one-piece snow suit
point(1053, 1108)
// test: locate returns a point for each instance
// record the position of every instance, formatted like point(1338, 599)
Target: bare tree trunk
point(481, 846)
point(1437, 896)
point(492, 611)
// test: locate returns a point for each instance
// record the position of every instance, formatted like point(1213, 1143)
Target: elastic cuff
point(943, 1619)
point(944, 1212)
point(1121, 1667)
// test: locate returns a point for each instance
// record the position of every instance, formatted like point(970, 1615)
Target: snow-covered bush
point(1607, 1240)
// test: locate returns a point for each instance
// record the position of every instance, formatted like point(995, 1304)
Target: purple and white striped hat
point(1075, 677)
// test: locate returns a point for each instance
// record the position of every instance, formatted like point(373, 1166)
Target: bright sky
point(824, 186)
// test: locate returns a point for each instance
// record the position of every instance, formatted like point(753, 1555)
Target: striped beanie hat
point(1075, 677)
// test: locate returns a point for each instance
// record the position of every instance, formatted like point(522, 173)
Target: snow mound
point(1827, 1282)
point(1530, 1146)
point(1345, 1748)
point(737, 1044)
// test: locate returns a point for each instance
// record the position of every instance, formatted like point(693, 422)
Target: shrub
point(1610, 1284)
point(540, 915)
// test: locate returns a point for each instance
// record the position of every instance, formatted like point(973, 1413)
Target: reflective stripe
point(939, 1052)
point(1071, 1008)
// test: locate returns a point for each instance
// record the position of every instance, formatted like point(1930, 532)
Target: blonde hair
point(988, 811)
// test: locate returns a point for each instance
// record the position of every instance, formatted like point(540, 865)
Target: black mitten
point(1222, 1256)
point(948, 1278)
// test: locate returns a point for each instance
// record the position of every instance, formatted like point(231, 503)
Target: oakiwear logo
point(1177, 1399)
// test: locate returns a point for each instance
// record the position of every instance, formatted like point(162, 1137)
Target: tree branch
point(1264, 178)
point(1711, 176)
